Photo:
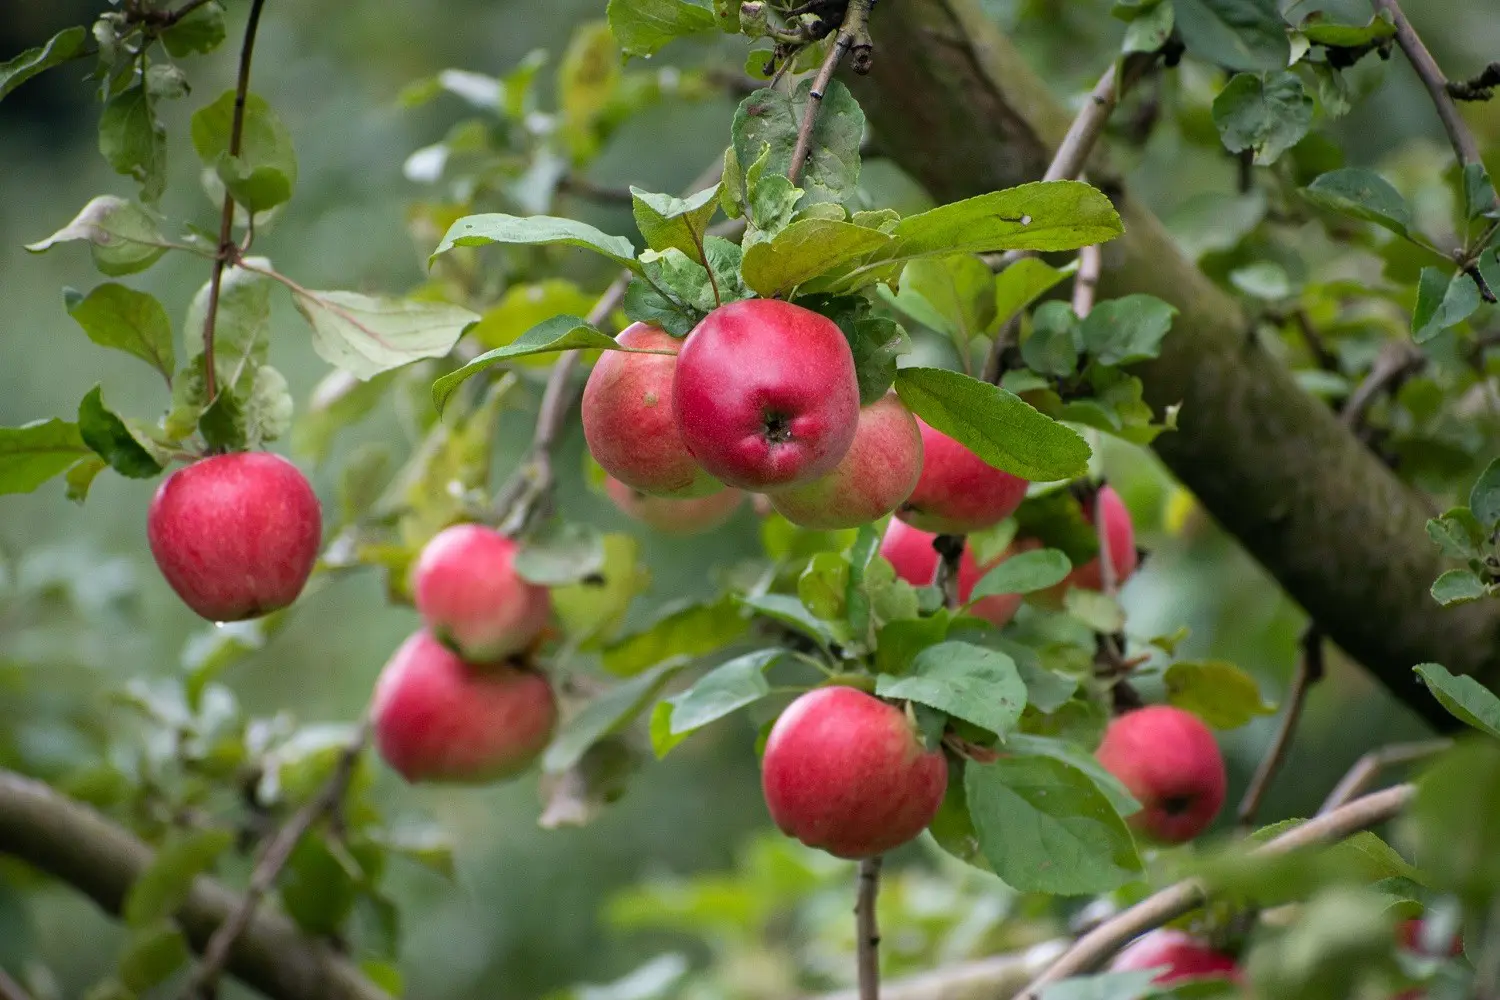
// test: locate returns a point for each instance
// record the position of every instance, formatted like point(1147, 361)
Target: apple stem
point(1309, 672)
point(228, 250)
point(867, 928)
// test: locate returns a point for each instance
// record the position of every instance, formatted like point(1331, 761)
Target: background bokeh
point(522, 919)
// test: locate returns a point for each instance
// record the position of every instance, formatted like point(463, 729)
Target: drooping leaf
point(130, 321)
point(1267, 113)
point(112, 440)
point(724, 689)
point(1443, 301)
point(124, 238)
point(1219, 693)
point(996, 425)
point(1458, 586)
point(134, 141)
point(202, 30)
point(665, 221)
point(366, 335)
point(536, 230)
point(61, 47)
point(1465, 698)
point(560, 333)
point(606, 714)
point(1024, 573)
point(1022, 283)
point(264, 173)
point(1361, 194)
point(682, 631)
point(33, 453)
point(970, 682)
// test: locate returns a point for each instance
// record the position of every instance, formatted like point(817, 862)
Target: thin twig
point(868, 929)
point(272, 860)
point(1097, 946)
point(10, 989)
point(1368, 767)
point(1083, 135)
point(1086, 281)
point(1459, 135)
point(1396, 362)
point(836, 52)
point(1314, 342)
point(227, 247)
point(1309, 672)
point(1480, 87)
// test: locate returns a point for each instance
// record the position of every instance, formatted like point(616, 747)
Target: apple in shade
point(1119, 532)
point(674, 517)
point(236, 535)
point(847, 772)
point(958, 491)
point(628, 420)
point(470, 596)
point(910, 551)
point(765, 394)
point(437, 718)
point(876, 475)
point(1183, 957)
point(1409, 933)
point(1170, 762)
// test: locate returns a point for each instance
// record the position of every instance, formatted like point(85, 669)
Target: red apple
point(765, 394)
point(1169, 761)
point(1184, 956)
point(236, 535)
point(959, 492)
point(438, 718)
point(1120, 535)
point(674, 517)
point(910, 551)
point(471, 597)
point(628, 420)
point(877, 473)
point(846, 772)
point(1409, 933)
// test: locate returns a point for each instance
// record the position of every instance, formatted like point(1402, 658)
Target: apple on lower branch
point(468, 592)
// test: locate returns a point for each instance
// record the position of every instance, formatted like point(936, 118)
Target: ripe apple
point(471, 597)
point(1184, 956)
point(438, 718)
point(765, 394)
point(1169, 761)
point(847, 772)
point(236, 535)
point(877, 473)
point(628, 420)
point(910, 551)
point(674, 517)
point(1119, 533)
point(958, 491)
point(1409, 933)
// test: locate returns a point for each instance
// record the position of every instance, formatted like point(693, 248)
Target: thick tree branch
point(80, 847)
point(958, 107)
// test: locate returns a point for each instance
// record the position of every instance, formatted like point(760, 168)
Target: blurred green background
point(523, 918)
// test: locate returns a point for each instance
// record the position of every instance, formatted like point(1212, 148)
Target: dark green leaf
point(665, 221)
point(1458, 533)
point(1235, 34)
point(264, 173)
point(317, 890)
point(1457, 586)
point(1052, 348)
point(899, 642)
point(1044, 826)
point(1465, 698)
point(1455, 822)
point(110, 438)
point(124, 238)
point(61, 47)
point(682, 631)
point(824, 584)
point(1056, 519)
point(537, 231)
point(1024, 573)
point(645, 304)
point(970, 682)
point(1072, 754)
point(772, 118)
point(644, 26)
point(1479, 191)
point(1219, 693)
point(134, 141)
point(202, 30)
point(1267, 113)
point(1361, 194)
point(560, 553)
point(164, 885)
point(33, 453)
point(996, 425)
point(151, 954)
point(130, 321)
point(1484, 498)
point(606, 714)
point(1126, 330)
point(722, 690)
point(1443, 301)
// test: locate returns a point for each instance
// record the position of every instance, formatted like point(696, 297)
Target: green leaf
point(537, 231)
point(1044, 826)
point(1465, 698)
point(1052, 347)
point(772, 118)
point(1458, 532)
point(1361, 194)
point(952, 295)
point(1484, 498)
point(1268, 113)
point(1347, 36)
point(33, 453)
point(1458, 586)
point(1443, 301)
point(1072, 754)
point(644, 26)
point(681, 631)
point(665, 221)
point(61, 47)
point(1095, 609)
point(1126, 330)
point(200, 31)
point(790, 611)
point(722, 690)
point(1041, 216)
point(109, 437)
point(125, 239)
point(996, 425)
point(134, 141)
point(151, 954)
point(267, 410)
point(365, 335)
point(1454, 824)
point(560, 333)
point(970, 682)
point(1056, 519)
point(560, 553)
point(899, 642)
point(164, 886)
point(1219, 693)
point(824, 584)
point(606, 714)
point(1235, 34)
point(1149, 31)
point(264, 173)
point(1024, 573)
point(1022, 283)
point(316, 889)
point(1132, 985)
point(1479, 191)
point(81, 476)
point(130, 321)
point(875, 340)
point(804, 250)
point(592, 611)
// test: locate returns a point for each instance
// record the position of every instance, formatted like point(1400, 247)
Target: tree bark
point(85, 850)
point(956, 106)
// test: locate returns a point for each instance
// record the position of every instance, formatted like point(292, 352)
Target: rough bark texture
point(75, 844)
point(955, 104)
